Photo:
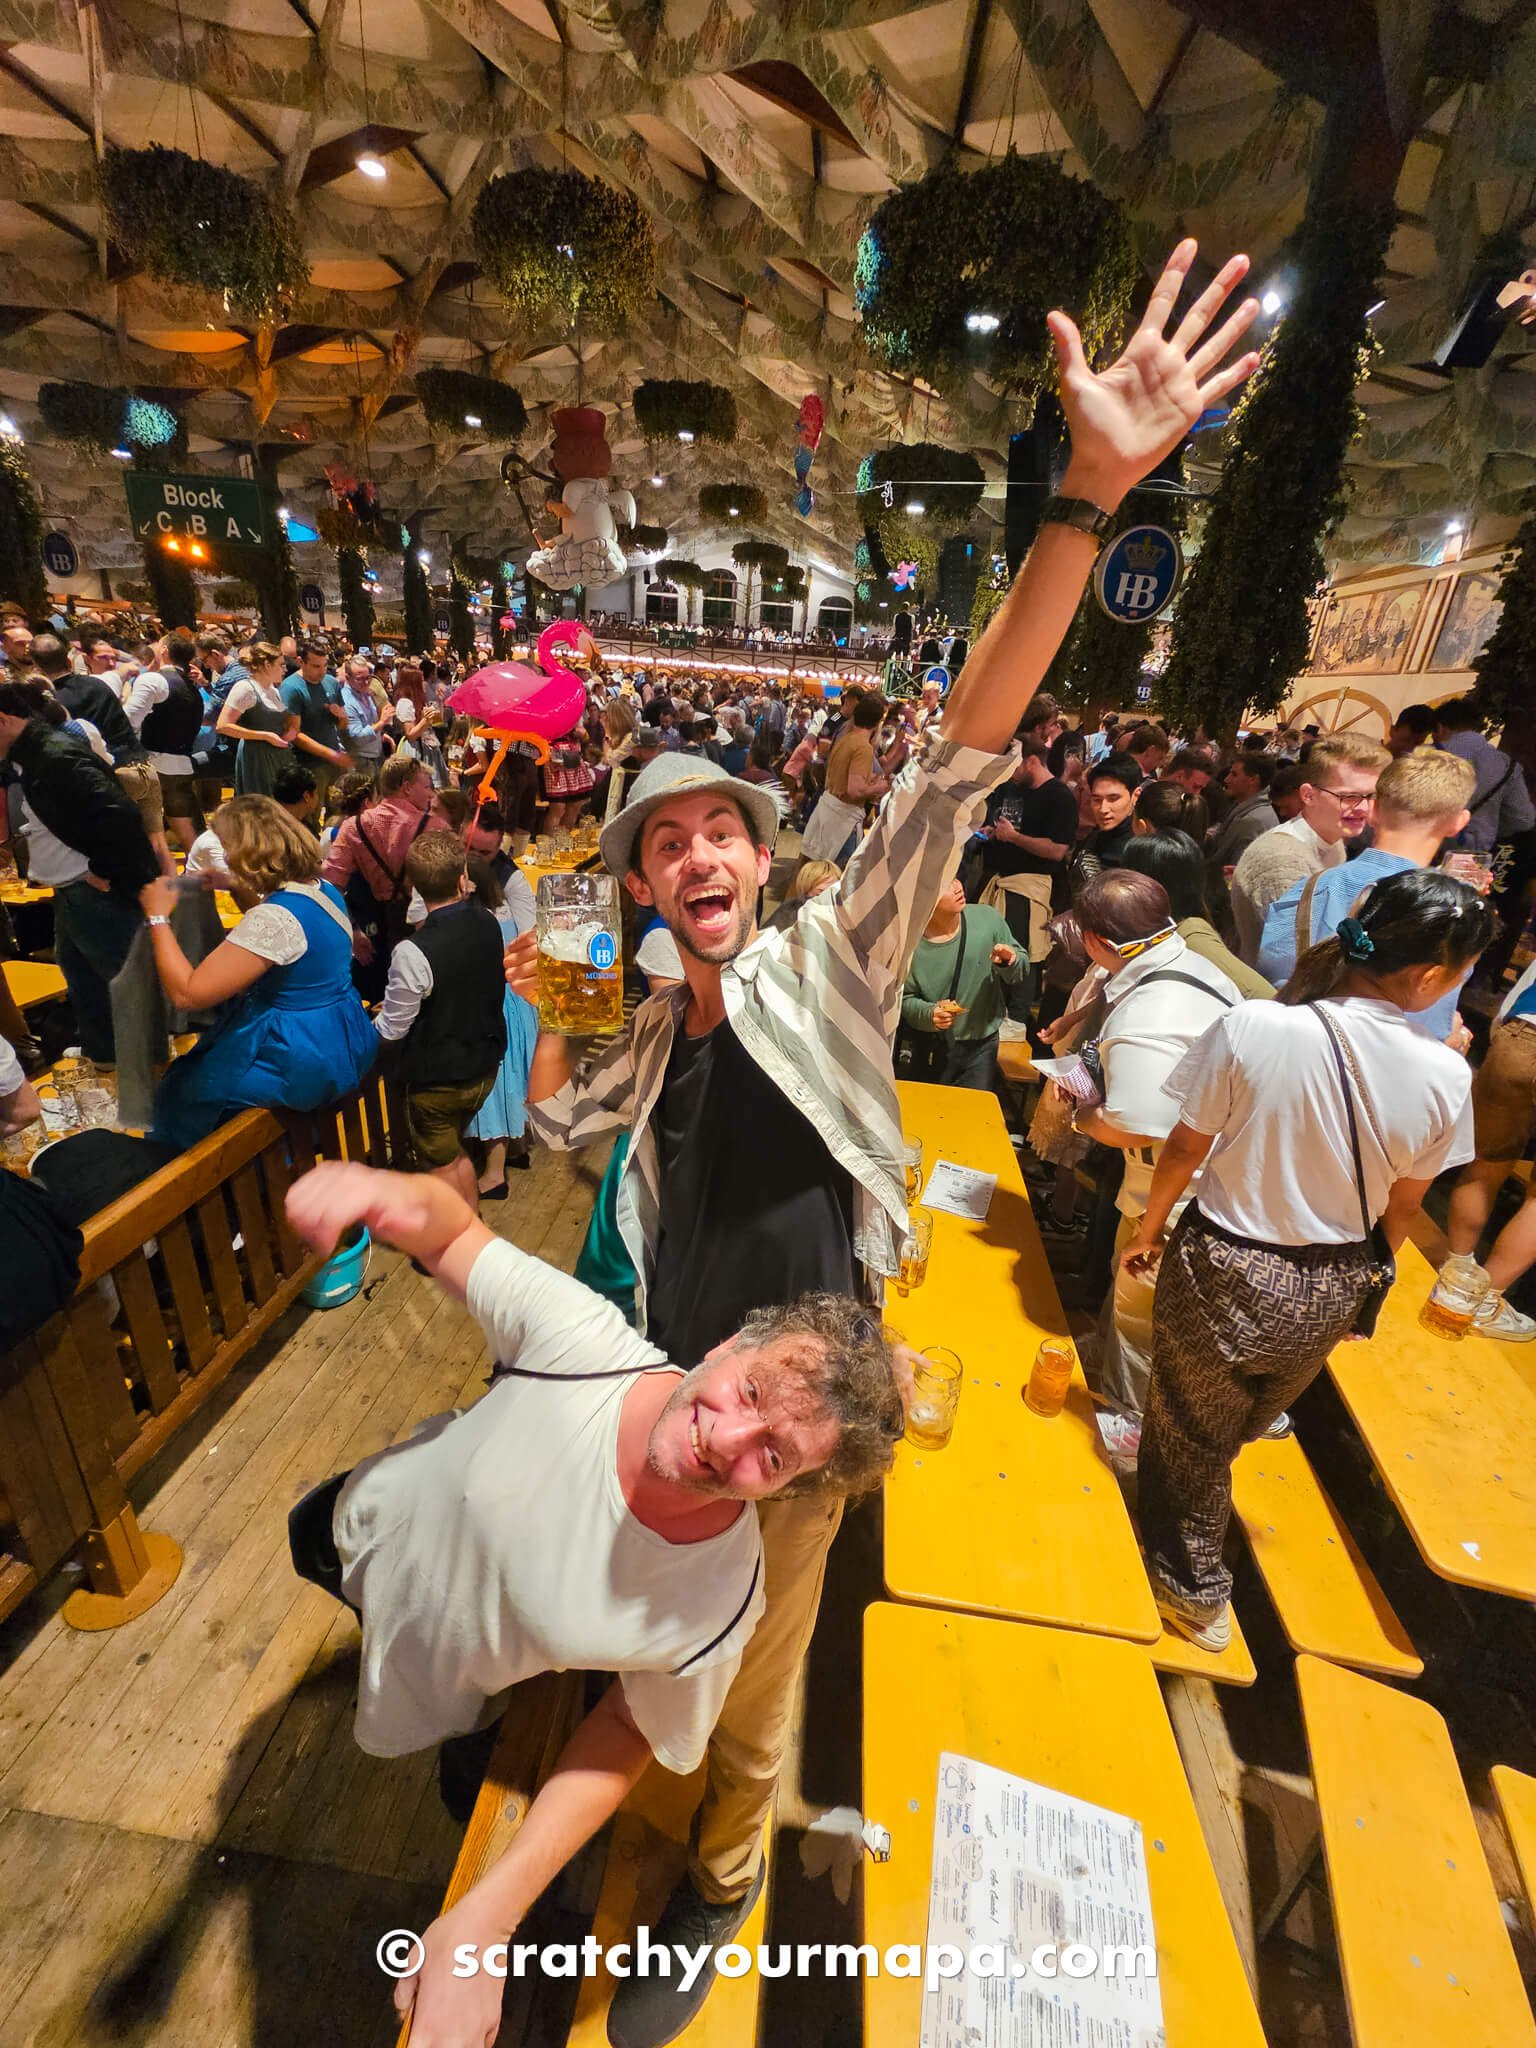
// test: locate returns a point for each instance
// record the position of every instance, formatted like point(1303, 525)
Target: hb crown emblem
point(1145, 554)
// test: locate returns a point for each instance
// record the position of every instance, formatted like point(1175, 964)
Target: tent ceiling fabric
point(758, 139)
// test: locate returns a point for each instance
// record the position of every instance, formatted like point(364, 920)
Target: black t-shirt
point(754, 1208)
point(1049, 812)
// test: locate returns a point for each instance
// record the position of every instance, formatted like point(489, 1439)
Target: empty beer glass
point(581, 986)
point(915, 1248)
point(912, 1149)
point(936, 1375)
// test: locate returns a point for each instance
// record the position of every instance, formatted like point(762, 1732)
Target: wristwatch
point(1079, 512)
point(157, 920)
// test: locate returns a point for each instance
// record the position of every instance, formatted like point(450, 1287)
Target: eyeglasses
point(1349, 802)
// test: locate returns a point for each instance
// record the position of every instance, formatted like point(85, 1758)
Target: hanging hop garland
point(554, 241)
point(461, 401)
point(670, 409)
point(1002, 246)
point(101, 417)
point(687, 575)
point(1506, 665)
point(192, 223)
point(946, 483)
point(646, 540)
point(761, 554)
point(21, 535)
point(719, 502)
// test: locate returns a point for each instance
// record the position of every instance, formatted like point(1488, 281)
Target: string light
point(471, 419)
point(1271, 303)
point(982, 323)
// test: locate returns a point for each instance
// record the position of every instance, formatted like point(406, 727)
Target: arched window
point(720, 598)
point(835, 616)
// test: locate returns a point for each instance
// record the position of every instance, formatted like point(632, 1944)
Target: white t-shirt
point(1264, 1083)
point(51, 861)
point(657, 956)
point(1146, 1032)
point(496, 1543)
point(11, 1074)
point(206, 856)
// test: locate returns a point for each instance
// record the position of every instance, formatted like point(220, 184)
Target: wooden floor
point(194, 1851)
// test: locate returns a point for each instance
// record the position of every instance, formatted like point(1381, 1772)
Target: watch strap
point(1079, 512)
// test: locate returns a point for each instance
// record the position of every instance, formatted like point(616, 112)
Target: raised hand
point(1125, 419)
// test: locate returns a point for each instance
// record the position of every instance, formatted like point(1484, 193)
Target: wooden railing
point(178, 1280)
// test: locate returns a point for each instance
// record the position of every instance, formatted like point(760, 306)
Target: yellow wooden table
point(1450, 1427)
point(18, 893)
point(1423, 1949)
point(534, 871)
point(1079, 1713)
point(1016, 1517)
point(33, 981)
point(1516, 1794)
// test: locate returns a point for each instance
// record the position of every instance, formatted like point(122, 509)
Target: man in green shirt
point(953, 1001)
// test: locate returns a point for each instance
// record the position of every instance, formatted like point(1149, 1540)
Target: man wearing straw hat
point(765, 1151)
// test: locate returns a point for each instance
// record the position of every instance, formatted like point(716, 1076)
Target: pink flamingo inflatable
point(515, 701)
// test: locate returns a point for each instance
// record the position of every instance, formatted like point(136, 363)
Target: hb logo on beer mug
point(581, 984)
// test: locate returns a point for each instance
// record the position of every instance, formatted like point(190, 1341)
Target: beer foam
point(571, 943)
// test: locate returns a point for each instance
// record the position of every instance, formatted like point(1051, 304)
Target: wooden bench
point(1079, 1713)
point(1516, 1794)
point(33, 982)
point(1326, 1595)
point(201, 1263)
point(1425, 1955)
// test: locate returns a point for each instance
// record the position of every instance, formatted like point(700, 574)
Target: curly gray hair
point(842, 1355)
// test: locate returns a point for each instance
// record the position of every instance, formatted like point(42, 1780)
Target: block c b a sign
point(224, 510)
point(1137, 574)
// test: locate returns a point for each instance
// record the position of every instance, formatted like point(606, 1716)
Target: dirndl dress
point(504, 1112)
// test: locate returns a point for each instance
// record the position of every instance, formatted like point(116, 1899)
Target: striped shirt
point(816, 1005)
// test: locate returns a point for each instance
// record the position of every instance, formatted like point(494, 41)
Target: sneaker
point(1120, 1436)
point(1206, 1629)
point(648, 2011)
point(1497, 1318)
point(1283, 1425)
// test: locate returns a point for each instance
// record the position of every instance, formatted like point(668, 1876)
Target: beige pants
point(747, 1747)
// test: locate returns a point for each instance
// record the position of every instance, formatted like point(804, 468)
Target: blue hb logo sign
point(1137, 574)
point(601, 951)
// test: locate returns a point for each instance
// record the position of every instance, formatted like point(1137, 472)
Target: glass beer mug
point(581, 979)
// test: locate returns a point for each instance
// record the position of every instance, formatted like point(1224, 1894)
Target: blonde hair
point(1343, 750)
point(815, 874)
point(619, 720)
point(264, 846)
point(1426, 784)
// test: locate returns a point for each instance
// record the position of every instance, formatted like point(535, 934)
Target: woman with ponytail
point(1316, 1124)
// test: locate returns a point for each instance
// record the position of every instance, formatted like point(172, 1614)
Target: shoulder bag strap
point(1488, 795)
point(1304, 914)
point(1169, 974)
point(954, 981)
point(1349, 1110)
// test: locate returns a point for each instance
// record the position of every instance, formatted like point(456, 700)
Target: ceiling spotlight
point(657, 482)
point(982, 323)
point(1372, 311)
point(1455, 526)
point(424, 557)
point(372, 166)
point(284, 514)
point(123, 454)
point(734, 513)
point(683, 434)
point(915, 507)
point(195, 550)
point(173, 547)
point(9, 431)
point(1271, 303)
point(471, 419)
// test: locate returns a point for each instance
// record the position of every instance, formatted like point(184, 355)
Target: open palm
point(1126, 418)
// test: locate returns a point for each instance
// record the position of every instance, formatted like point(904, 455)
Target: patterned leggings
point(1238, 1332)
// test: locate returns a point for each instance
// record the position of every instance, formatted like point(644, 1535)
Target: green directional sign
point(222, 509)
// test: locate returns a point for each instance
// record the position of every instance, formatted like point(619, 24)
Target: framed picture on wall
point(1368, 632)
point(1469, 620)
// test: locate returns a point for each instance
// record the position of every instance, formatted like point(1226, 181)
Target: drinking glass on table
point(915, 1247)
point(936, 1376)
point(912, 1149)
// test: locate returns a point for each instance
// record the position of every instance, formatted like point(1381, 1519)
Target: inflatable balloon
point(513, 700)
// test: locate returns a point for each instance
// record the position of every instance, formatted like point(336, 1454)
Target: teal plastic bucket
point(343, 1272)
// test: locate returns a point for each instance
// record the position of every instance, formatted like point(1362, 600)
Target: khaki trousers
point(747, 1747)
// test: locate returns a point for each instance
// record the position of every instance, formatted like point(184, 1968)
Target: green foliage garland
point(418, 599)
point(461, 625)
point(992, 587)
point(356, 603)
point(667, 407)
point(501, 605)
point(1010, 241)
point(192, 223)
point(1506, 668)
point(1241, 631)
point(21, 535)
point(717, 502)
point(340, 527)
point(450, 398)
point(554, 241)
point(944, 481)
point(760, 554)
point(647, 540)
point(686, 575)
point(172, 587)
point(233, 594)
point(277, 581)
point(100, 417)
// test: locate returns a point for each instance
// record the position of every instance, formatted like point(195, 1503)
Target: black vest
point(174, 724)
point(460, 1032)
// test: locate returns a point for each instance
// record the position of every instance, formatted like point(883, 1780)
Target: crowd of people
point(1243, 962)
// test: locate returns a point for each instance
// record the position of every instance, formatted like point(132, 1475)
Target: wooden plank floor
point(192, 1847)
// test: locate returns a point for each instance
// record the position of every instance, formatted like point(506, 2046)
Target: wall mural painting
point(1469, 620)
point(1368, 633)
